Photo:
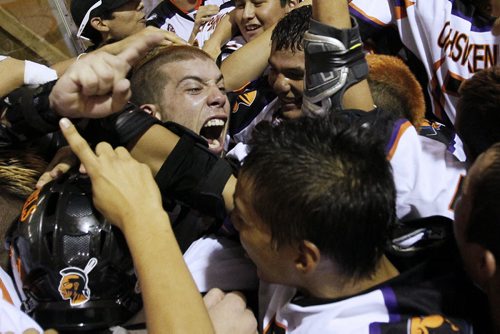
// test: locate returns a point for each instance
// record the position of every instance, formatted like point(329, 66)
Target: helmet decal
point(30, 205)
point(74, 283)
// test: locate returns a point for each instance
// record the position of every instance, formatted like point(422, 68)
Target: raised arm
point(335, 66)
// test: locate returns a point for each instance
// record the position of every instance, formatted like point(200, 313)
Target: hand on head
point(96, 85)
point(121, 186)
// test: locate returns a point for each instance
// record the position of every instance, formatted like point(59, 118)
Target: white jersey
point(169, 17)
point(448, 37)
point(412, 302)
point(426, 174)
point(208, 28)
point(218, 262)
point(12, 319)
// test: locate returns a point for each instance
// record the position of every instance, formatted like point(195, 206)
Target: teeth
point(251, 28)
point(214, 143)
point(214, 122)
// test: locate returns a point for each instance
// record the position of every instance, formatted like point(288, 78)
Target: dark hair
point(484, 219)
point(290, 30)
point(326, 181)
point(148, 79)
point(478, 112)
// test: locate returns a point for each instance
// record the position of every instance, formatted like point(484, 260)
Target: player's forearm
point(154, 147)
point(164, 278)
point(332, 12)
point(236, 69)
point(336, 14)
point(12, 74)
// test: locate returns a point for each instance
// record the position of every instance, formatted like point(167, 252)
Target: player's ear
point(483, 264)
point(291, 4)
point(152, 109)
point(98, 24)
point(308, 257)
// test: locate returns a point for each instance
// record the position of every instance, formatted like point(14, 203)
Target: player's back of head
point(326, 181)
point(478, 114)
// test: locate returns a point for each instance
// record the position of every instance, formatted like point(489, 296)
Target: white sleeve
point(376, 12)
point(12, 319)
point(2, 57)
point(404, 155)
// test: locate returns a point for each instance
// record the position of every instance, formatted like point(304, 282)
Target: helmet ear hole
point(49, 242)
point(50, 209)
point(103, 239)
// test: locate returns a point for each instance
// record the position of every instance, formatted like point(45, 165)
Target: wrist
point(145, 222)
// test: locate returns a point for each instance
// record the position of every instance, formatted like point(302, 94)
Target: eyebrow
point(196, 78)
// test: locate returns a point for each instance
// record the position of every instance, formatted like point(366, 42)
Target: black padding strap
point(195, 176)
point(28, 111)
point(129, 124)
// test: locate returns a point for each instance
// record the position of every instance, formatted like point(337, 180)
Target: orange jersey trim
point(394, 146)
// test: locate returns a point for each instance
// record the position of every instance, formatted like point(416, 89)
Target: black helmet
point(73, 268)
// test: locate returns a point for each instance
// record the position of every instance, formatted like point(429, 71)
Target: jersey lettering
point(456, 45)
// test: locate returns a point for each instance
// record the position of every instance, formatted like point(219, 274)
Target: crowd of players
point(336, 161)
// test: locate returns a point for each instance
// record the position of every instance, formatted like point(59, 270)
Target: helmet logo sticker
point(74, 283)
point(30, 205)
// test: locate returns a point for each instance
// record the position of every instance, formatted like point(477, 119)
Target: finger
point(120, 95)
point(122, 153)
point(105, 70)
point(139, 47)
point(87, 79)
point(104, 148)
point(213, 297)
point(78, 145)
point(43, 180)
point(236, 299)
point(82, 169)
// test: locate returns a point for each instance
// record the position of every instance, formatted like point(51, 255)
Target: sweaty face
point(127, 20)
point(287, 80)
point(273, 265)
point(195, 97)
point(254, 16)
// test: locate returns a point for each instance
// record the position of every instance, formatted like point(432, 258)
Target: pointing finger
point(139, 47)
point(78, 145)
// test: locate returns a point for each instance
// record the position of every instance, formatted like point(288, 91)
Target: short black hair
point(290, 30)
point(327, 181)
point(478, 113)
point(483, 226)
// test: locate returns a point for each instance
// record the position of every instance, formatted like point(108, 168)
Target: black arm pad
point(195, 176)
point(28, 113)
point(129, 124)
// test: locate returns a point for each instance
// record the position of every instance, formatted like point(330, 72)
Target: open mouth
point(212, 131)
point(252, 27)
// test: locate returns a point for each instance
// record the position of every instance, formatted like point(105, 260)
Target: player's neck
point(330, 287)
